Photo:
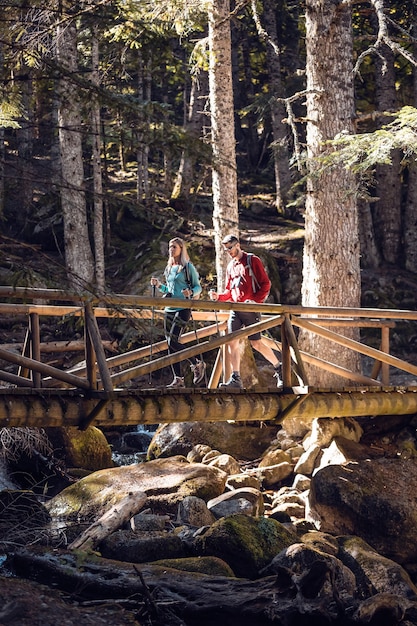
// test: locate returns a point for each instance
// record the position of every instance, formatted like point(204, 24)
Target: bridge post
point(90, 358)
point(285, 355)
point(385, 348)
point(35, 347)
point(94, 334)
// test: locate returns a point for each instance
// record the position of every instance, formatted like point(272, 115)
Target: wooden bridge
point(34, 393)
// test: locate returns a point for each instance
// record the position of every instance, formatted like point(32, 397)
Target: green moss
point(209, 565)
point(88, 449)
point(247, 544)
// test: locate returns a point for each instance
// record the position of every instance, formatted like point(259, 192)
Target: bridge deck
point(72, 407)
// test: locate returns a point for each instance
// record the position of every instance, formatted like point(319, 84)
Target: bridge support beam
point(69, 407)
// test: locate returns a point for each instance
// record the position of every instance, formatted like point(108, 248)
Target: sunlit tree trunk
point(140, 151)
point(224, 178)
point(331, 273)
point(78, 254)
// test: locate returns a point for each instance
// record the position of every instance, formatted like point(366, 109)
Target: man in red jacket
point(246, 281)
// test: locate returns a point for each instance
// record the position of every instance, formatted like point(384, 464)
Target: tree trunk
point(97, 171)
point(224, 178)
point(387, 209)
point(25, 148)
point(410, 216)
point(370, 258)
point(331, 272)
point(278, 113)
point(78, 255)
point(194, 124)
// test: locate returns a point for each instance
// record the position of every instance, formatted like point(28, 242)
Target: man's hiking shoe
point(278, 376)
point(199, 370)
point(176, 383)
point(234, 382)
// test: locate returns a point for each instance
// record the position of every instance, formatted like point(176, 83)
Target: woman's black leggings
point(174, 324)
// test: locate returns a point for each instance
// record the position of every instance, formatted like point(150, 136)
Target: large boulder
point(375, 500)
point(246, 543)
point(240, 440)
point(83, 449)
point(311, 570)
point(374, 572)
point(165, 481)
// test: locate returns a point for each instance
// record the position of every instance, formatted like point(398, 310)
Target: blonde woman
point(181, 281)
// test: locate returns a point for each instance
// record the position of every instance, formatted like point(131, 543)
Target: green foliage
point(361, 153)
point(180, 15)
point(9, 111)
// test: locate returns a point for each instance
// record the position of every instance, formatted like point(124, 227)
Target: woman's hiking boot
point(199, 370)
point(177, 383)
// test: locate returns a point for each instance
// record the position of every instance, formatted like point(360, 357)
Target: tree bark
point(98, 227)
point(278, 113)
point(387, 216)
point(410, 216)
point(331, 271)
point(78, 254)
point(224, 183)
point(194, 123)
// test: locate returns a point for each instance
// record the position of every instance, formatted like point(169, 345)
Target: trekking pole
point(218, 334)
point(152, 329)
point(195, 333)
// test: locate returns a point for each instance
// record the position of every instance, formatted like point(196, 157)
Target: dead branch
point(113, 519)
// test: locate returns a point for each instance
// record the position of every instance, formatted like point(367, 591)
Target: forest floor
point(27, 603)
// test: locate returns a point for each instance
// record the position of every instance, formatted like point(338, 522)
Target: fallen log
point(178, 596)
point(196, 597)
point(113, 519)
point(170, 596)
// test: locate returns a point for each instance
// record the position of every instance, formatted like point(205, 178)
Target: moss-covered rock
point(166, 482)
point(247, 544)
point(86, 449)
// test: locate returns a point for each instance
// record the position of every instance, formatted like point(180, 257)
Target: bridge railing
point(101, 372)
